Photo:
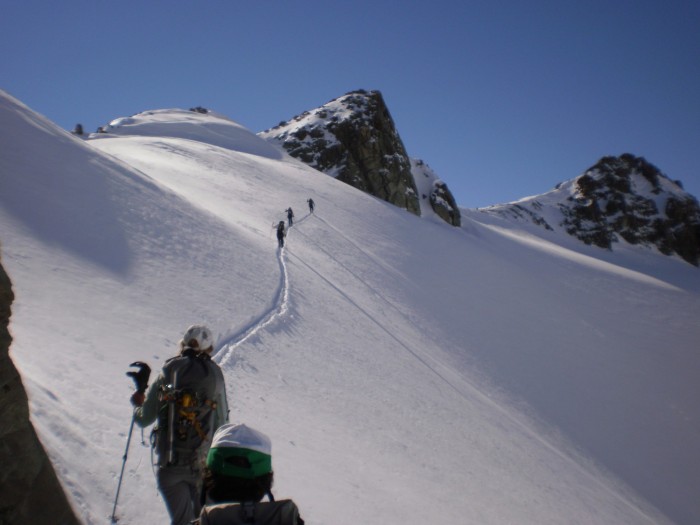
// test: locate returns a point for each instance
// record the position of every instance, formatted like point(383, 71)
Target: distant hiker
point(188, 403)
point(311, 205)
point(238, 476)
point(290, 216)
point(78, 129)
point(281, 233)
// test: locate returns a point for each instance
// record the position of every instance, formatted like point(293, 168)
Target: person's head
point(239, 465)
point(198, 338)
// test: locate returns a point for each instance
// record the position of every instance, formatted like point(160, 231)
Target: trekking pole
point(141, 380)
point(121, 475)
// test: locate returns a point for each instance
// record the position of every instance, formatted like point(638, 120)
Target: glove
point(141, 377)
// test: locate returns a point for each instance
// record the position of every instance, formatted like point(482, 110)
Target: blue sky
point(503, 99)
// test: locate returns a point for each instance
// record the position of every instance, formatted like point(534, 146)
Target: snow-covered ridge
point(196, 124)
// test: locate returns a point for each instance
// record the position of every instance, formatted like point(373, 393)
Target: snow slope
point(406, 371)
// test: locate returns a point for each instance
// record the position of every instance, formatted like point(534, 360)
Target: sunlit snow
point(406, 371)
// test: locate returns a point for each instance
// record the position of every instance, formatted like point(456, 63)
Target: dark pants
point(181, 488)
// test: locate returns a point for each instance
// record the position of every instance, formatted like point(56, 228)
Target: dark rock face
point(353, 138)
point(629, 197)
point(444, 204)
point(29, 489)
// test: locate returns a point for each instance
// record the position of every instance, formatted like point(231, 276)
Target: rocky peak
point(623, 197)
point(353, 138)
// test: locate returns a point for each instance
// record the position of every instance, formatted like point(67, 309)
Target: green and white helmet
point(198, 337)
point(240, 452)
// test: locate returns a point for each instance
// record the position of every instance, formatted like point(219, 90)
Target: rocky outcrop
point(353, 138)
point(627, 196)
point(435, 191)
point(29, 489)
point(443, 203)
point(619, 198)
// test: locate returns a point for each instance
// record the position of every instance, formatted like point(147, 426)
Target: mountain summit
point(353, 138)
point(623, 198)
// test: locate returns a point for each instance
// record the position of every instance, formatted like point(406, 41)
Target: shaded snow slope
point(405, 370)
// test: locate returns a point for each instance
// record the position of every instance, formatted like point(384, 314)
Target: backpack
point(283, 512)
point(186, 410)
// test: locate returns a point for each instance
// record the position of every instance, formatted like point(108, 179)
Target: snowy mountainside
point(499, 376)
point(619, 199)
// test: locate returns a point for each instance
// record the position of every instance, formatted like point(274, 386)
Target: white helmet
point(198, 337)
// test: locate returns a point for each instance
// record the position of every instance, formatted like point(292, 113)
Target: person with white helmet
point(188, 403)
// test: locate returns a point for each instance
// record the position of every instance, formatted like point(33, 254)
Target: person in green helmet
point(238, 476)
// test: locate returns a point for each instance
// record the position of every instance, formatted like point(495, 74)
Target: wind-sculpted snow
point(482, 374)
point(208, 128)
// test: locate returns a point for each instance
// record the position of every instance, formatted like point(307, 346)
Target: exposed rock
point(444, 204)
point(353, 138)
point(435, 191)
point(622, 197)
point(29, 489)
point(629, 197)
